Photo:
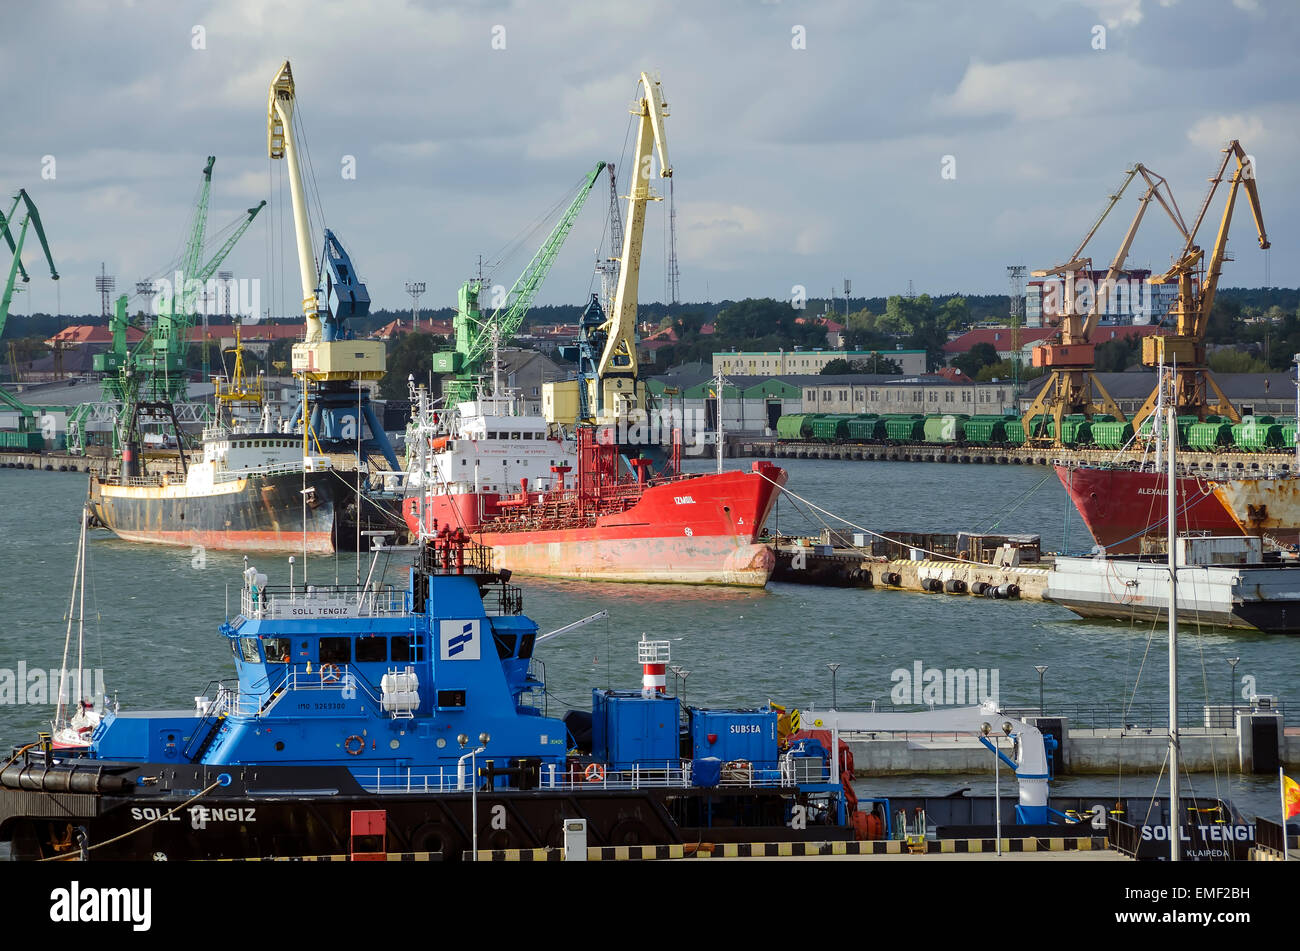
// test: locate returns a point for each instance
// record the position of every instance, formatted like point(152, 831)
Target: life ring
point(595, 773)
point(329, 673)
point(347, 745)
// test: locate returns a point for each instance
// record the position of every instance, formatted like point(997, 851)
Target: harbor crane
point(1072, 385)
point(613, 389)
point(155, 369)
point(475, 334)
point(334, 365)
point(31, 217)
point(1183, 351)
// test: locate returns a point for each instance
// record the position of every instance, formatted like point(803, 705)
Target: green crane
point(155, 369)
point(160, 357)
point(475, 333)
point(32, 217)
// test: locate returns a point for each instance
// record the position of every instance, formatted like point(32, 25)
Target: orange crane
point(1183, 351)
point(1071, 383)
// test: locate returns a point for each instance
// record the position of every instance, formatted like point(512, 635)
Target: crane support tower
point(1184, 350)
point(335, 366)
point(614, 389)
point(1072, 386)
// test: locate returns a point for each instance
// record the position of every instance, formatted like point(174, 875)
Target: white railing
point(278, 602)
point(445, 779)
point(277, 468)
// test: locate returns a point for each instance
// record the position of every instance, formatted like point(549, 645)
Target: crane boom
point(33, 218)
point(280, 145)
point(617, 370)
point(1184, 349)
point(474, 333)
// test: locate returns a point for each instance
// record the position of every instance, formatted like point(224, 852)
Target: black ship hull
point(256, 512)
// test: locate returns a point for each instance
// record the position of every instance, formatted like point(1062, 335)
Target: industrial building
point(784, 362)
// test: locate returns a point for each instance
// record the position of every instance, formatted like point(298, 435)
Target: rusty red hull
point(700, 529)
point(1122, 506)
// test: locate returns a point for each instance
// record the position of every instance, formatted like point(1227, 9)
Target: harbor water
point(152, 615)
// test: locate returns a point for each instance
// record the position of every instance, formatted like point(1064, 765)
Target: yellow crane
point(1184, 350)
point(1071, 382)
point(614, 390)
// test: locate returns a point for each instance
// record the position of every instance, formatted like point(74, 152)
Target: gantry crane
point(613, 389)
point(1183, 351)
point(31, 217)
point(334, 365)
point(475, 334)
point(1071, 384)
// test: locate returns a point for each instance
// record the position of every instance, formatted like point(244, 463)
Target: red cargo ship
point(604, 524)
point(1122, 506)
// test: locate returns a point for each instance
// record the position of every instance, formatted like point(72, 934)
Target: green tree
point(1235, 361)
point(409, 354)
point(976, 359)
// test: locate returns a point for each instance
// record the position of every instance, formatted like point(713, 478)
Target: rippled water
point(152, 615)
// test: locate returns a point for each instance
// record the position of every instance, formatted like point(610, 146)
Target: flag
point(1290, 797)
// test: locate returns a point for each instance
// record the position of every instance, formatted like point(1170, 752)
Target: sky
point(930, 142)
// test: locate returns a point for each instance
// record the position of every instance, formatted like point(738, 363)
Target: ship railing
point(342, 677)
point(577, 778)
point(276, 468)
point(332, 600)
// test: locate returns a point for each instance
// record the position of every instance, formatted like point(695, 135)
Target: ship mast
point(1172, 544)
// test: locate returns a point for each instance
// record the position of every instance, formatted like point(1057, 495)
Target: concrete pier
point(1208, 463)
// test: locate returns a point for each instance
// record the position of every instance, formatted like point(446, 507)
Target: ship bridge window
point(402, 648)
point(505, 644)
point(248, 647)
point(336, 650)
point(526, 646)
point(277, 650)
point(515, 436)
point(372, 650)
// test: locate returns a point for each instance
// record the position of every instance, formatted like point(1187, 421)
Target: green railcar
point(1076, 430)
point(987, 430)
point(1253, 434)
point(868, 427)
point(1015, 430)
point(945, 429)
point(830, 427)
point(1209, 436)
point(1111, 433)
point(24, 442)
point(795, 426)
point(901, 427)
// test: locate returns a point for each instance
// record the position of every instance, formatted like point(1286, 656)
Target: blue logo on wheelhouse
point(459, 640)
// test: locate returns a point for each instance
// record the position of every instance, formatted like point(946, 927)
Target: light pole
point(415, 289)
point(1232, 690)
point(833, 669)
point(997, 776)
point(677, 673)
point(1042, 669)
point(472, 755)
point(683, 673)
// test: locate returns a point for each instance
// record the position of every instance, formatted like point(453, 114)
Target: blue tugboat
point(368, 720)
point(413, 704)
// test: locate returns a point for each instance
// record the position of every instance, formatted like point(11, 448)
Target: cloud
point(1214, 132)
